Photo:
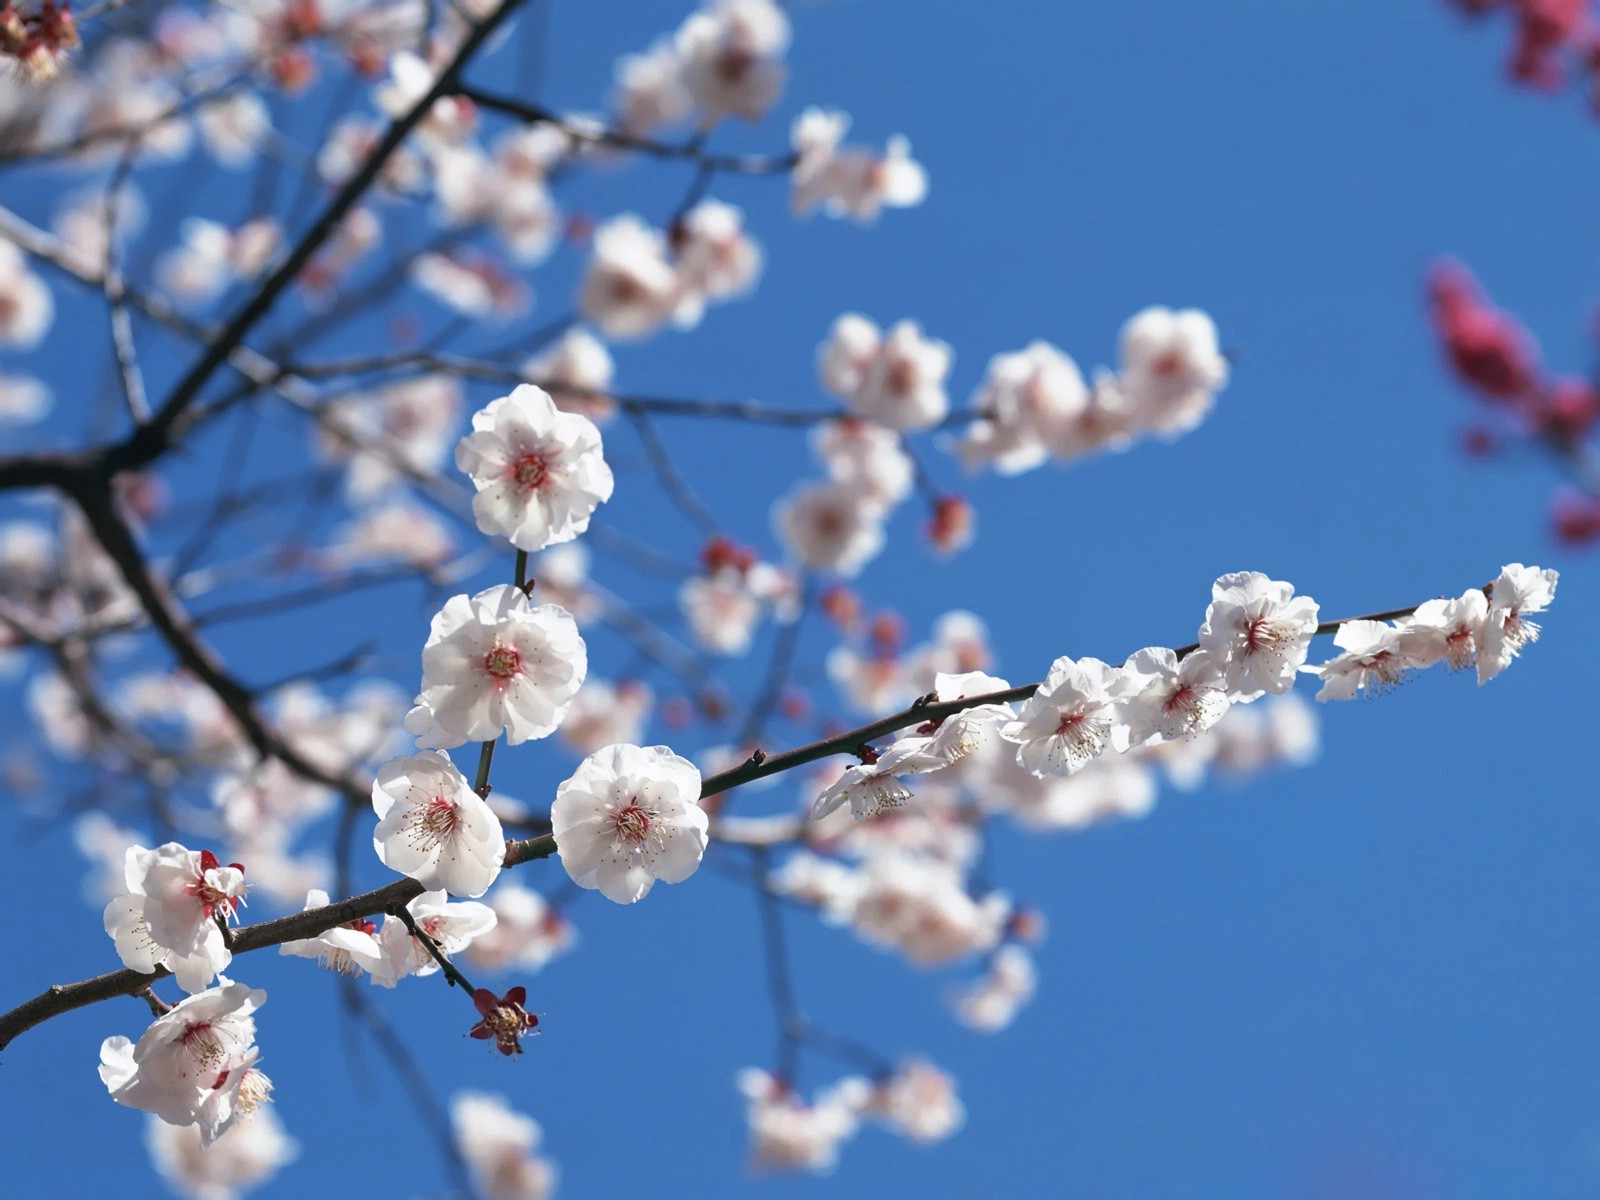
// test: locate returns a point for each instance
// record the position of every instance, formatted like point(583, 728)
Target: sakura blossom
point(1373, 661)
point(603, 714)
point(246, 1156)
point(1446, 631)
point(649, 89)
point(627, 817)
point(1258, 632)
point(731, 58)
point(632, 287)
point(918, 1101)
point(527, 932)
point(716, 260)
point(500, 1146)
point(194, 1065)
point(789, 1134)
point(347, 949)
point(1173, 699)
point(495, 663)
point(171, 916)
point(22, 400)
point(1518, 591)
point(1171, 366)
point(433, 827)
point(920, 908)
point(452, 925)
point(831, 526)
point(26, 304)
point(504, 1019)
point(539, 472)
point(577, 372)
point(868, 788)
point(850, 180)
point(1072, 718)
point(896, 378)
point(993, 1001)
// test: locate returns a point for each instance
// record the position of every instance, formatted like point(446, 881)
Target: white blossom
point(1171, 367)
point(169, 918)
point(453, 926)
point(347, 949)
point(493, 663)
point(631, 287)
point(732, 58)
point(433, 827)
point(1071, 719)
point(247, 1155)
point(26, 303)
point(896, 378)
point(1257, 631)
point(1518, 591)
point(499, 1145)
point(1446, 631)
point(627, 817)
point(527, 932)
point(1374, 660)
point(194, 1065)
point(539, 472)
point(831, 526)
point(1173, 699)
point(992, 1003)
point(788, 1134)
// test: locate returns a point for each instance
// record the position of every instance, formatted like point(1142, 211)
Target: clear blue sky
point(1372, 979)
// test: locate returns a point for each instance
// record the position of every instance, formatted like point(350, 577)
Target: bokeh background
point(1370, 979)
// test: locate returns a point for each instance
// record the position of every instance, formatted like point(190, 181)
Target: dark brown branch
point(312, 923)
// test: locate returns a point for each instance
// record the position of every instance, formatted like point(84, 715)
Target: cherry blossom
point(919, 1101)
point(865, 455)
point(788, 1134)
point(1258, 632)
point(869, 788)
point(831, 526)
point(1374, 660)
point(433, 827)
point(650, 91)
point(1071, 719)
point(499, 1145)
point(921, 908)
point(577, 372)
point(896, 378)
point(992, 1003)
point(26, 304)
point(539, 472)
point(1173, 699)
point(171, 916)
point(1518, 591)
point(346, 949)
point(1446, 631)
point(935, 745)
point(716, 259)
point(194, 1065)
point(628, 817)
point(527, 932)
point(602, 715)
point(23, 400)
point(722, 610)
point(249, 1154)
point(494, 663)
point(850, 180)
point(631, 287)
point(452, 925)
point(731, 58)
point(1171, 366)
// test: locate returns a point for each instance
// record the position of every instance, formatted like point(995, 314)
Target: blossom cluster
point(1491, 353)
point(1548, 38)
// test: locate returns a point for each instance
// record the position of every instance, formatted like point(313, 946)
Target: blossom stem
point(485, 760)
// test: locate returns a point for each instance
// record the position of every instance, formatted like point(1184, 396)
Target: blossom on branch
point(627, 817)
point(494, 663)
point(433, 827)
point(539, 472)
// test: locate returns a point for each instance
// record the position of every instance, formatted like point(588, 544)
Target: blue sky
point(1371, 979)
